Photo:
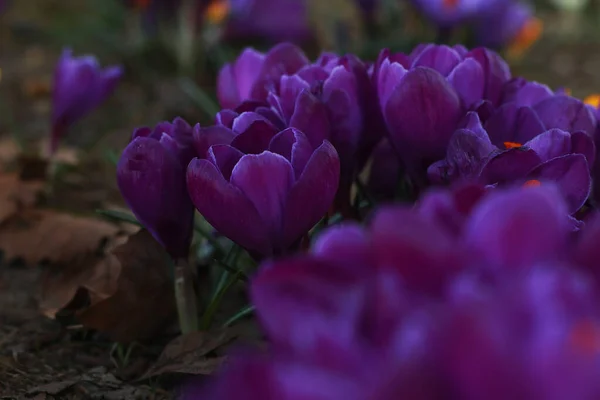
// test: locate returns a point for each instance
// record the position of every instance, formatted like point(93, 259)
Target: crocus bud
point(151, 177)
point(79, 86)
point(266, 189)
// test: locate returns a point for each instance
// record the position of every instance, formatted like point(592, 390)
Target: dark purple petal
point(566, 113)
point(389, 77)
point(206, 137)
point(226, 208)
point(246, 70)
point(293, 145)
point(256, 136)
point(425, 255)
point(571, 174)
point(347, 245)
point(385, 172)
point(510, 123)
point(152, 182)
point(313, 73)
point(311, 118)
point(441, 58)
point(510, 165)
point(519, 227)
point(312, 195)
point(226, 118)
point(422, 113)
point(266, 180)
point(582, 143)
point(289, 89)
point(469, 81)
point(495, 69)
point(227, 91)
point(525, 93)
point(550, 144)
point(225, 158)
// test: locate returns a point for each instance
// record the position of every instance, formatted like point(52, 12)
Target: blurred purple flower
point(253, 74)
point(425, 94)
point(449, 13)
point(261, 187)
point(151, 177)
point(407, 309)
point(525, 139)
point(79, 86)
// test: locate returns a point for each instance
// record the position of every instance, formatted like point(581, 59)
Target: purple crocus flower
point(261, 187)
point(254, 73)
point(406, 309)
point(151, 177)
point(525, 140)
point(424, 96)
point(80, 85)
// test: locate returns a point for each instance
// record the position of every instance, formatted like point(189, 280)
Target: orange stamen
point(512, 145)
point(585, 337)
point(593, 100)
point(532, 183)
point(450, 4)
point(217, 11)
point(528, 35)
point(568, 92)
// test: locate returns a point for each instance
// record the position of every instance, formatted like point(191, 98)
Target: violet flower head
point(79, 86)
point(537, 137)
point(449, 13)
point(261, 187)
point(425, 94)
point(253, 74)
point(151, 178)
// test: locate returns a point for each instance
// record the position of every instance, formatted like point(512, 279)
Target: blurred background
point(173, 49)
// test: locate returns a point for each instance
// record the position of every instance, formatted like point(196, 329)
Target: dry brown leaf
point(188, 354)
point(143, 302)
point(16, 194)
point(9, 150)
point(35, 236)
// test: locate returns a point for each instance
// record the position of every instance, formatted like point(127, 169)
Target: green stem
point(247, 310)
point(187, 30)
point(210, 238)
point(185, 297)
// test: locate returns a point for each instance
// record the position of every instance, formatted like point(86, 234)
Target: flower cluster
point(486, 287)
point(473, 294)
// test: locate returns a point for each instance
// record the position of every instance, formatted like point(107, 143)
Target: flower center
point(512, 145)
point(585, 337)
point(592, 100)
point(527, 35)
point(532, 183)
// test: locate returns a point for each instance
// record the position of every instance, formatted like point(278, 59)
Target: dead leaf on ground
point(35, 236)
point(188, 354)
point(16, 194)
point(129, 291)
point(9, 150)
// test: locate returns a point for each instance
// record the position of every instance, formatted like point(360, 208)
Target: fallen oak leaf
point(143, 303)
point(189, 354)
point(37, 236)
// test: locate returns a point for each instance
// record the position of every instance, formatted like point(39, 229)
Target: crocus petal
point(422, 114)
point(304, 208)
point(226, 208)
point(423, 254)
point(152, 182)
point(347, 244)
point(293, 145)
point(255, 136)
point(203, 138)
point(525, 93)
point(289, 89)
point(299, 300)
point(510, 165)
point(389, 77)
point(311, 118)
point(582, 143)
point(246, 70)
point(441, 58)
point(566, 113)
point(495, 69)
point(519, 227)
point(226, 118)
point(550, 144)
point(110, 77)
point(265, 179)
point(572, 176)
point(227, 91)
point(225, 158)
point(587, 251)
point(469, 81)
point(510, 123)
